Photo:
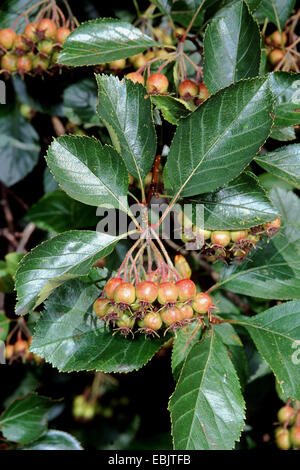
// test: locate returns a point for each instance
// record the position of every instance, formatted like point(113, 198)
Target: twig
point(27, 232)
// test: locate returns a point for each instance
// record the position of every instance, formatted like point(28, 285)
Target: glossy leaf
point(71, 337)
point(4, 326)
point(215, 143)
point(89, 172)
point(283, 134)
point(55, 440)
point(25, 419)
point(103, 40)
point(277, 11)
point(288, 204)
point(80, 100)
point(284, 163)
point(207, 407)
point(183, 342)
point(183, 12)
point(285, 87)
point(47, 266)
point(231, 48)
point(172, 109)
point(126, 112)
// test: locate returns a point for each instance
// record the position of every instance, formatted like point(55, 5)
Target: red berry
point(238, 235)
point(9, 62)
point(24, 64)
point(100, 307)
point(285, 414)
point(20, 44)
point(171, 315)
point(202, 303)
point(47, 27)
point(186, 312)
point(30, 31)
point(21, 346)
point(220, 237)
point(147, 291)
point(275, 224)
point(283, 439)
point(62, 33)
point(295, 435)
point(7, 38)
point(111, 285)
point(157, 83)
point(124, 293)
point(167, 293)
point(188, 89)
point(203, 92)
point(186, 289)
point(276, 56)
point(152, 321)
point(135, 77)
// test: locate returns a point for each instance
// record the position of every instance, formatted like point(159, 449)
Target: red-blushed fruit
point(100, 307)
point(188, 89)
point(135, 77)
point(295, 436)
point(167, 293)
point(147, 291)
point(119, 64)
point(47, 27)
point(282, 439)
point(124, 293)
point(9, 351)
point(275, 224)
point(157, 83)
point(125, 321)
point(238, 235)
point(186, 289)
point(186, 312)
point(171, 315)
point(20, 44)
point(202, 303)
point(40, 64)
point(45, 46)
point(62, 33)
point(7, 38)
point(182, 266)
point(111, 285)
point(278, 39)
point(153, 321)
point(30, 31)
point(203, 92)
point(9, 62)
point(220, 237)
point(285, 414)
point(24, 64)
point(276, 56)
point(21, 346)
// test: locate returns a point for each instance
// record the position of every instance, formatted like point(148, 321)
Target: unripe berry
point(7, 38)
point(147, 291)
point(283, 440)
point(295, 435)
point(201, 233)
point(171, 315)
point(30, 31)
point(276, 56)
point(203, 92)
point(275, 224)
point(9, 62)
point(45, 46)
point(20, 44)
point(152, 321)
point(62, 33)
point(253, 238)
point(124, 293)
point(186, 312)
point(179, 31)
point(139, 61)
point(157, 83)
point(40, 64)
point(119, 64)
point(24, 64)
point(220, 237)
point(186, 289)
point(188, 89)
point(182, 266)
point(111, 286)
point(47, 27)
point(161, 53)
point(9, 351)
point(26, 111)
point(135, 77)
point(100, 307)
point(278, 39)
point(202, 303)
point(167, 293)
point(285, 414)
point(150, 55)
point(125, 321)
point(238, 235)
point(21, 346)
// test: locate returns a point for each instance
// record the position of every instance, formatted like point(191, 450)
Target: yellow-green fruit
point(238, 235)
point(285, 414)
point(119, 64)
point(140, 61)
point(125, 321)
point(282, 439)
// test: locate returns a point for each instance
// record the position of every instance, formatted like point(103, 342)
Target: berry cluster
point(33, 52)
point(20, 350)
point(287, 435)
point(275, 47)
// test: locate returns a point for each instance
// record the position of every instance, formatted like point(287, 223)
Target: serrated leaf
point(4, 326)
point(63, 257)
point(71, 337)
point(183, 11)
point(277, 11)
point(276, 333)
point(57, 212)
point(89, 172)
point(125, 110)
point(207, 407)
point(285, 87)
point(284, 163)
point(172, 109)
point(241, 204)
point(25, 419)
point(283, 134)
point(183, 342)
point(288, 204)
point(55, 440)
point(231, 48)
point(215, 143)
point(80, 100)
point(103, 40)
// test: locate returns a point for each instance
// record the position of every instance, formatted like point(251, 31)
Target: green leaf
point(284, 162)
point(231, 48)
point(172, 109)
point(103, 40)
point(63, 257)
point(25, 419)
point(89, 172)
point(72, 338)
point(215, 143)
point(288, 204)
point(55, 440)
point(241, 204)
point(49, 183)
point(80, 100)
point(126, 112)
point(57, 212)
point(285, 87)
point(183, 11)
point(19, 145)
point(183, 342)
point(207, 407)
point(165, 6)
point(277, 11)
point(4, 326)
point(276, 333)
point(283, 134)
